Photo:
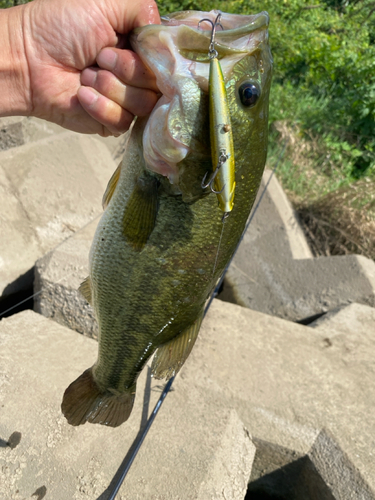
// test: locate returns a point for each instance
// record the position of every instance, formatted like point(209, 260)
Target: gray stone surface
point(332, 466)
point(346, 319)
point(272, 271)
point(307, 403)
point(287, 383)
point(197, 449)
point(324, 473)
point(48, 190)
point(18, 130)
point(57, 278)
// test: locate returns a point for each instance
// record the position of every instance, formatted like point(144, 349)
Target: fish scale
point(161, 245)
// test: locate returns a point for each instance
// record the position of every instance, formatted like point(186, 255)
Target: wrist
point(14, 74)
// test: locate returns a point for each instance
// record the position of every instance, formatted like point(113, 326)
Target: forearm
point(14, 77)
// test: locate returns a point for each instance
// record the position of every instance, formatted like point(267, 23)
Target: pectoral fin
point(140, 212)
point(111, 187)
point(170, 357)
point(85, 289)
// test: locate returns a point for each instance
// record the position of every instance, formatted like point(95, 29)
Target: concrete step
point(295, 392)
point(18, 130)
point(305, 401)
point(57, 278)
point(273, 270)
point(197, 449)
point(48, 189)
point(347, 319)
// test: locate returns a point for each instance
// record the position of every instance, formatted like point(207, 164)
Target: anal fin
point(170, 356)
point(85, 289)
point(111, 187)
point(140, 212)
point(84, 402)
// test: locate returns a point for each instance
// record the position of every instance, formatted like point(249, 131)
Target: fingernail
point(87, 96)
point(88, 77)
point(107, 59)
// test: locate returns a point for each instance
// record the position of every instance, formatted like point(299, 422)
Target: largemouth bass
point(161, 245)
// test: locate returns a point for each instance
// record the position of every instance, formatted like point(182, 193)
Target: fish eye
point(249, 94)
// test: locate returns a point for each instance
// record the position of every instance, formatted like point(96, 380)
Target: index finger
point(125, 16)
point(127, 67)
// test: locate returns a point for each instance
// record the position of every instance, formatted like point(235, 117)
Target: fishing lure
point(222, 180)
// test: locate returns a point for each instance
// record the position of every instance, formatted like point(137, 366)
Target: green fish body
point(161, 245)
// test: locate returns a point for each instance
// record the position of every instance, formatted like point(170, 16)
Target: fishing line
point(218, 248)
point(120, 475)
point(125, 466)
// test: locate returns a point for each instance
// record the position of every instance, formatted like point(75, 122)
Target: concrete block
point(287, 383)
point(57, 278)
point(323, 473)
point(346, 319)
point(18, 130)
point(336, 472)
point(196, 448)
point(273, 272)
point(49, 189)
point(284, 219)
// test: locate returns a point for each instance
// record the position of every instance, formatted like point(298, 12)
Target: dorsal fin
point(111, 187)
point(140, 212)
point(85, 289)
point(170, 356)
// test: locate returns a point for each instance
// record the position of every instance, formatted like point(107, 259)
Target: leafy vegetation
point(4, 4)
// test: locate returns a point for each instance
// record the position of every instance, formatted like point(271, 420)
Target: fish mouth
point(232, 34)
point(186, 36)
point(177, 52)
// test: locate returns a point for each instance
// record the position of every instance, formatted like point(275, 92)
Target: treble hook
point(222, 159)
point(212, 53)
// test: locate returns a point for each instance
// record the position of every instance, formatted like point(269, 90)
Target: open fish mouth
point(177, 52)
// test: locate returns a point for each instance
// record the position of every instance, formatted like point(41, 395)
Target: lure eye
point(249, 94)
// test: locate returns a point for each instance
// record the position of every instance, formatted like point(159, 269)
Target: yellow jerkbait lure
point(221, 136)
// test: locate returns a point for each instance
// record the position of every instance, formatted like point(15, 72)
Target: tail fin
point(84, 402)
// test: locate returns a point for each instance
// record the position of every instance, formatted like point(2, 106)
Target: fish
point(161, 245)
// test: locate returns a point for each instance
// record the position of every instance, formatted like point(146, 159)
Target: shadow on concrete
point(324, 473)
point(298, 480)
point(40, 493)
point(16, 302)
point(13, 441)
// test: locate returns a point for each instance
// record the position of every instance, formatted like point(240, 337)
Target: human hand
point(63, 39)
